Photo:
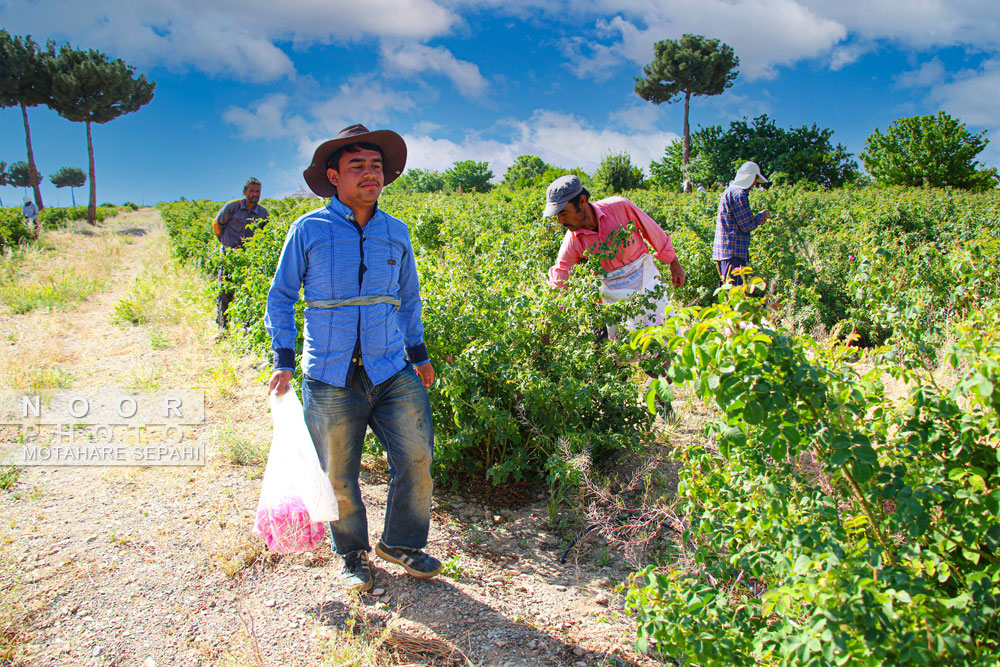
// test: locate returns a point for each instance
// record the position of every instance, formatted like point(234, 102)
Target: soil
point(156, 565)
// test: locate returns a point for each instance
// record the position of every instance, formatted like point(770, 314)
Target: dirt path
point(155, 565)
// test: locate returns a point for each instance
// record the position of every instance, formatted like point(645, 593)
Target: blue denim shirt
point(334, 258)
point(733, 225)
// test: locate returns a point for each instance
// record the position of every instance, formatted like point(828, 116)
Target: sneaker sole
point(360, 588)
point(410, 571)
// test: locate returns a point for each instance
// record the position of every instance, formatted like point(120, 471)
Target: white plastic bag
point(623, 282)
point(296, 498)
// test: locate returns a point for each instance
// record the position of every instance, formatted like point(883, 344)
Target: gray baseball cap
point(560, 192)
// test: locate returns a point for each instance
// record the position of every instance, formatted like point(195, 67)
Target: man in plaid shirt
point(731, 247)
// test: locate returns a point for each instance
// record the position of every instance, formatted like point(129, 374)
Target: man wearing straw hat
point(363, 342)
point(735, 221)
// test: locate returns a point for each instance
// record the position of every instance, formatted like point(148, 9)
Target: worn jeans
point(399, 414)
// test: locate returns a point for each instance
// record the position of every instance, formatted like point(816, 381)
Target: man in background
point(734, 222)
point(233, 225)
point(30, 213)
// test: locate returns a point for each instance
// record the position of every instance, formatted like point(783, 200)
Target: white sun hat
point(747, 175)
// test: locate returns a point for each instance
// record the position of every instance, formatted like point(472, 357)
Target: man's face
point(359, 177)
point(252, 194)
point(573, 217)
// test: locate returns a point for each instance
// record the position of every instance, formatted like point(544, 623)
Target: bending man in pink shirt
point(631, 269)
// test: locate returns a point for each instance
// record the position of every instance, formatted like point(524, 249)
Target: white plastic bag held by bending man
point(296, 498)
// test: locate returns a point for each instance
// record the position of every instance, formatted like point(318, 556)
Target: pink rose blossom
point(286, 527)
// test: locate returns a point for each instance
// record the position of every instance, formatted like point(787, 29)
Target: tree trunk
point(686, 145)
point(72, 193)
point(92, 209)
point(31, 160)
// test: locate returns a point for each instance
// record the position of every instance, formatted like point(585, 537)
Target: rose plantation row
point(843, 508)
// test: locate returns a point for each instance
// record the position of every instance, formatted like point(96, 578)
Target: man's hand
point(426, 374)
point(278, 383)
point(677, 274)
point(765, 215)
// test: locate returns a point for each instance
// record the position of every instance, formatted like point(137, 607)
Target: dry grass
point(31, 280)
point(369, 639)
point(18, 612)
point(231, 547)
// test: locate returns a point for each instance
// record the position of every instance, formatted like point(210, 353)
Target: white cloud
point(930, 73)
point(234, 38)
point(642, 117)
point(848, 54)
point(311, 123)
point(377, 101)
point(972, 96)
point(405, 59)
point(558, 138)
point(265, 119)
point(917, 24)
point(425, 127)
point(766, 34)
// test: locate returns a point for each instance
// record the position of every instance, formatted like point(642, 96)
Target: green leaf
point(839, 457)
point(753, 413)
point(779, 450)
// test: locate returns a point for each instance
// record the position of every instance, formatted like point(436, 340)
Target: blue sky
point(250, 87)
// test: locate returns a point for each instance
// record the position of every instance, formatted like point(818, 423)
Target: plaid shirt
point(733, 225)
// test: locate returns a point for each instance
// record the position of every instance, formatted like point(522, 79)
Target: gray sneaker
point(414, 561)
point(356, 576)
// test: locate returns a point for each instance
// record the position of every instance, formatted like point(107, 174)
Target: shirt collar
point(343, 209)
point(599, 215)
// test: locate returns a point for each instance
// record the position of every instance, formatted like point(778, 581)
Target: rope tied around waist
point(368, 300)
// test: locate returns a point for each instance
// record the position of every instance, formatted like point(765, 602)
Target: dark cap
point(560, 192)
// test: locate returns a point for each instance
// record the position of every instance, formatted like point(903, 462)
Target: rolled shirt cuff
point(667, 255)
point(418, 354)
point(284, 359)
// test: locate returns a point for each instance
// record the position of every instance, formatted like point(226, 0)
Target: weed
point(144, 378)
point(63, 290)
point(604, 558)
point(158, 340)
point(453, 568)
point(121, 539)
point(136, 308)
point(240, 450)
point(8, 477)
point(223, 378)
point(38, 380)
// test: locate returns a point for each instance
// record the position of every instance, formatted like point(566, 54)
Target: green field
point(842, 508)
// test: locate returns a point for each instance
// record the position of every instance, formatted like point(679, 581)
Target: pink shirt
point(612, 213)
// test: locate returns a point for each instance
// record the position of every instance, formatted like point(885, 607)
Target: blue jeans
point(399, 414)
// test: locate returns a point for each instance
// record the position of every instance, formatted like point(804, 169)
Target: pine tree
point(693, 65)
point(25, 81)
point(89, 88)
